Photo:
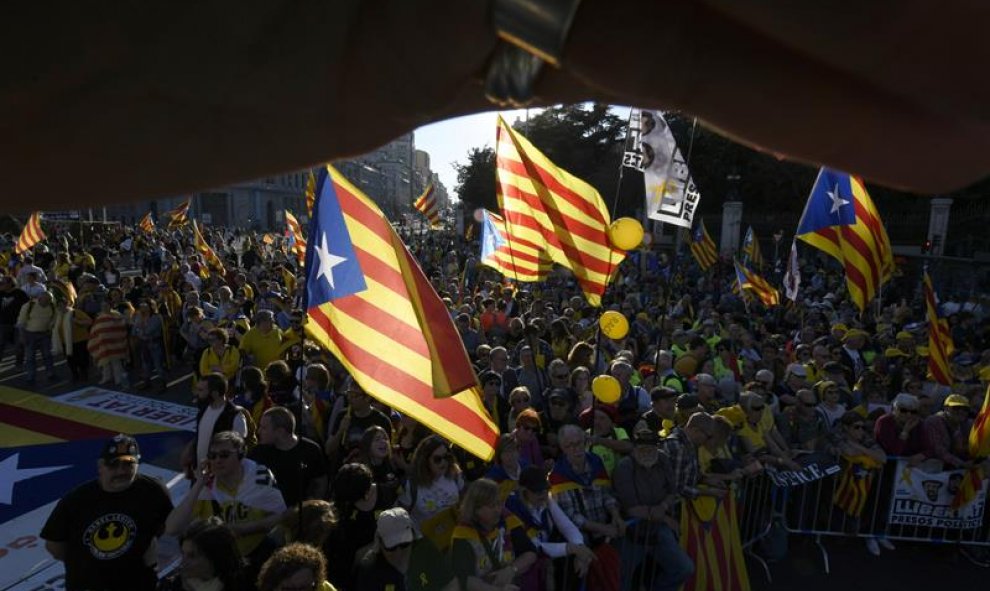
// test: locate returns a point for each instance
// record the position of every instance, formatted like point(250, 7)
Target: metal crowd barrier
point(758, 507)
point(887, 502)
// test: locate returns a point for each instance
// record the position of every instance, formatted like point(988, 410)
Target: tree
point(476, 180)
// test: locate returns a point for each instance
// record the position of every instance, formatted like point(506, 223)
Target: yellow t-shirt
point(265, 348)
point(754, 436)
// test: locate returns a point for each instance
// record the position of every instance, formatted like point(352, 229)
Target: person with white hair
point(901, 431)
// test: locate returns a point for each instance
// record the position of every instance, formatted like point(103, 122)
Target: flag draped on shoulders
point(296, 241)
point(371, 305)
point(179, 216)
point(703, 247)
point(940, 346)
point(749, 280)
point(427, 205)
point(557, 212)
point(841, 219)
point(513, 257)
point(31, 235)
point(563, 478)
point(710, 536)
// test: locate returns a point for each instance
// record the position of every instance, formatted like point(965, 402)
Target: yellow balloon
point(614, 325)
point(625, 233)
point(606, 389)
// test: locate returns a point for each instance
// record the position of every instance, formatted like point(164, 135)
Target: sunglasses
point(222, 455)
point(401, 546)
point(440, 459)
point(118, 463)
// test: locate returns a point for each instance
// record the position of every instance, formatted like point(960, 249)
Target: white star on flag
point(10, 475)
point(327, 261)
point(837, 200)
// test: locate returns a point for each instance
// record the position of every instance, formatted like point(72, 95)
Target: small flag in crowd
point(310, 193)
point(209, 255)
point(512, 257)
point(751, 250)
point(979, 433)
point(427, 205)
point(31, 234)
point(470, 233)
point(758, 285)
point(179, 216)
point(792, 278)
point(371, 305)
point(296, 241)
point(703, 247)
point(147, 224)
point(552, 209)
point(940, 346)
point(855, 483)
point(841, 219)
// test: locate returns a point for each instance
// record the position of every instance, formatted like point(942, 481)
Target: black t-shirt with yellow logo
point(106, 534)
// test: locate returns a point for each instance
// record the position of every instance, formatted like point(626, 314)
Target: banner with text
point(925, 499)
point(805, 475)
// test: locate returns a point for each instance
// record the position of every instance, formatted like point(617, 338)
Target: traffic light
point(926, 247)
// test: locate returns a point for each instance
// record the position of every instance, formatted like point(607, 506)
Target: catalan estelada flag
point(31, 234)
point(297, 242)
point(427, 205)
point(979, 433)
point(841, 219)
point(310, 192)
point(370, 304)
point(552, 209)
point(179, 216)
point(970, 488)
point(703, 247)
point(512, 257)
point(751, 281)
point(147, 224)
point(710, 536)
point(855, 483)
point(751, 250)
point(209, 255)
point(940, 346)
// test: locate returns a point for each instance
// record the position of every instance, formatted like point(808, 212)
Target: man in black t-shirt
point(402, 561)
point(104, 530)
point(298, 464)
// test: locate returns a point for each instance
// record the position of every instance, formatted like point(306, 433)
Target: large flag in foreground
point(751, 249)
point(557, 212)
point(298, 243)
point(758, 285)
point(370, 304)
point(841, 220)
point(31, 234)
point(514, 258)
point(179, 216)
point(940, 346)
point(703, 247)
point(427, 205)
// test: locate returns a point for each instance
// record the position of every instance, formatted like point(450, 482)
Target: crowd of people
point(302, 480)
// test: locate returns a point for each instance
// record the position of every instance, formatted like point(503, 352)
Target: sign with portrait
point(945, 500)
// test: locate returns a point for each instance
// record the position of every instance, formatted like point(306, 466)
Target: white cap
point(395, 527)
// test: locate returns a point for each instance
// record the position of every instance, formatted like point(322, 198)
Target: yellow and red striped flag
point(371, 305)
point(310, 193)
point(31, 234)
point(841, 219)
point(940, 346)
point(296, 241)
point(979, 433)
point(751, 250)
point(147, 224)
point(554, 210)
point(703, 247)
point(179, 216)
point(511, 256)
point(427, 205)
point(710, 535)
point(749, 280)
point(210, 257)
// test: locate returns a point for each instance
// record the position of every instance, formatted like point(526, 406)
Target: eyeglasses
point(223, 455)
point(440, 459)
point(121, 463)
point(401, 546)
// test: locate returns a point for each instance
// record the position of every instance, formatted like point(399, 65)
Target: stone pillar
point(938, 224)
point(731, 222)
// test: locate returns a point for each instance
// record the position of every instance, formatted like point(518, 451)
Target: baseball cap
point(121, 447)
point(395, 527)
point(645, 437)
point(534, 479)
point(705, 379)
point(798, 370)
point(956, 400)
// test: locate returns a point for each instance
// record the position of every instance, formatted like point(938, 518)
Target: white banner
point(159, 412)
point(925, 499)
point(671, 195)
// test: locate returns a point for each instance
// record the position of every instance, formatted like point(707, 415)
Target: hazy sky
point(449, 141)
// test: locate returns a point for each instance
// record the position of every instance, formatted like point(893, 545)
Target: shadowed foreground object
point(138, 101)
